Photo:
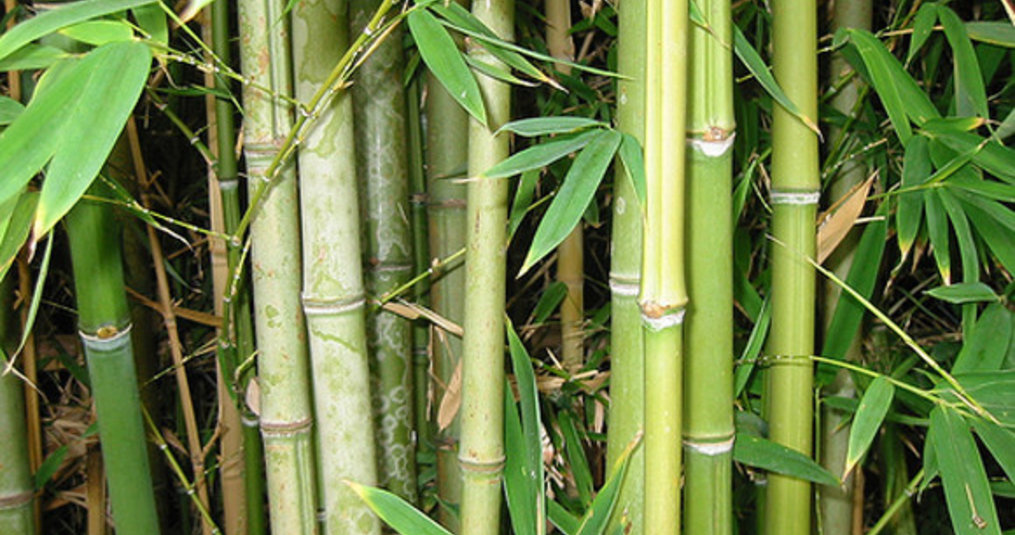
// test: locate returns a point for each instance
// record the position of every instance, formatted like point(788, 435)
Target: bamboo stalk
point(481, 455)
point(285, 417)
point(17, 503)
point(708, 368)
point(627, 362)
point(104, 325)
point(663, 292)
point(447, 125)
point(794, 197)
point(836, 504)
point(333, 295)
point(382, 166)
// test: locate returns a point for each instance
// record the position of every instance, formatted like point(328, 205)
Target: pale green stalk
point(333, 297)
point(17, 516)
point(708, 368)
point(836, 503)
point(482, 411)
point(286, 415)
point(794, 197)
point(627, 373)
point(663, 294)
point(382, 165)
point(104, 326)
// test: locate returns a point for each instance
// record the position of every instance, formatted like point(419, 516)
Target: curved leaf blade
point(545, 126)
point(401, 516)
point(539, 156)
point(874, 406)
point(762, 453)
point(967, 491)
point(442, 56)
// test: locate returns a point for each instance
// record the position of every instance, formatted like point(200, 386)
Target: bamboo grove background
point(639, 266)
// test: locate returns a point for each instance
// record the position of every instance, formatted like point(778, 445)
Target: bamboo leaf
point(444, 60)
point(541, 155)
point(532, 466)
point(545, 126)
point(116, 74)
point(755, 342)
point(995, 390)
point(1000, 442)
point(874, 406)
point(152, 21)
point(99, 32)
point(937, 229)
point(963, 234)
point(983, 188)
point(596, 517)
point(992, 32)
point(32, 56)
point(61, 17)
point(518, 488)
point(523, 199)
point(633, 158)
point(578, 190)
point(16, 228)
point(970, 94)
point(763, 453)
point(552, 296)
point(916, 169)
point(987, 344)
point(10, 109)
point(576, 459)
point(999, 239)
point(562, 518)
point(964, 292)
point(923, 24)
point(752, 60)
point(967, 492)
point(496, 72)
point(835, 226)
point(398, 514)
point(990, 156)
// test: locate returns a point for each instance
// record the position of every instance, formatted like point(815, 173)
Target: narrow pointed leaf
point(898, 90)
point(576, 459)
point(17, 228)
point(762, 453)
point(993, 32)
point(970, 94)
point(10, 109)
point(923, 24)
point(99, 32)
point(749, 356)
point(32, 56)
point(544, 126)
point(539, 156)
point(596, 517)
point(518, 486)
point(117, 73)
point(531, 425)
point(874, 406)
point(442, 56)
point(1000, 442)
point(999, 239)
point(986, 347)
point(152, 21)
point(566, 522)
point(990, 156)
point(496, 72)
point(633, 158)
point(964, 292)
point(937, 229)
point(402, 517)
point(916, 169)
point(967, 491)
point(578, 190)
point(552, 296)
point(523, 199)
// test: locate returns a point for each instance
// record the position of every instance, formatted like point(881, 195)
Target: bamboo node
point(785, 360)
point(105, 337)
point(713, 147)
point(657, 316)
point(14, 501)
point(285, 429)
point(625, 286)
point(711, 448)
point(489, 467)
point(313, 306)
point(794, 197)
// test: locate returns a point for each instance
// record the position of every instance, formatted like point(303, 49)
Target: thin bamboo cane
point(663, 293)
point(284, 382)
point(708, 368)
point(17, 510)
point(570, 262)
point(104, 325)
point(794, 197)
point(482, 419)
point(836, 503)
point(382, 166)
point(333, 297)
point(447, 125)
point(627, 362)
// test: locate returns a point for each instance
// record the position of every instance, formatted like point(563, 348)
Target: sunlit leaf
point(152, 21)
point(544, 126)
point(99, 32)
point(442, 56)
point(993, 32)
point(987, 344)
point(16, 230)
point(10, 109)
point(874, 406)
point(560, 517)
point(399, 514)
point(762, 453)
point(964, 292)
point(967, 491)
point(541, 155)
point(598, 515)
point(534, 501)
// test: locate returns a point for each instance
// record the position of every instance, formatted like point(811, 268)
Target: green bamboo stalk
point(794, 197)
point(708, 368)
point(836, 503)
point(333, 296)
point(627, 362)
point(104, 326)
point(285, 416)
point(447, 125)
point(382, 166)
point(17, 511)
point(663, 293)
point(482, 413)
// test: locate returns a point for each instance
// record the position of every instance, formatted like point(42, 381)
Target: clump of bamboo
point(794, 198)
point(663, 292)
point(382, 165)
point(708, 368)
point(481, 453)
point(333, 297)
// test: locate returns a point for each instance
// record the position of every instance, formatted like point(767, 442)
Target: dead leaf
point(452, 399)
point(837, 221)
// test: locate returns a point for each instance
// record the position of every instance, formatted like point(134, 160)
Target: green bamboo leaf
point(578, 190)
point(496, 72)
point(576, 459)
point(987, 344)
point(99, 32)
point(995, 390)
point(763, 453)
point(49, 466)
point(16, 229)
point(152, 21)
point(923, 24)
point(633, 158)
point(10, 109)
point(545, 126)
point(518, 488)
point(937, 230)
point(444, 60)
point(749, 356)
point(999, 239)
point(552, 296)
point(963, 234)
point(596, 517)
point(752, 60)
point(398, 514)
point(65, 15)
point(566, 522)
point(1000, 442)
point(523, 199)
point(531, 424)
point(32, 56)
point(982, 188)
point(28, 143)
point(964, 292)
point(967, 491)
point(992, 32)
point(970, 94)
point(874, 406)
point(117, 73)
point(989, 155)
point(541, 155)
point(998, 212)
